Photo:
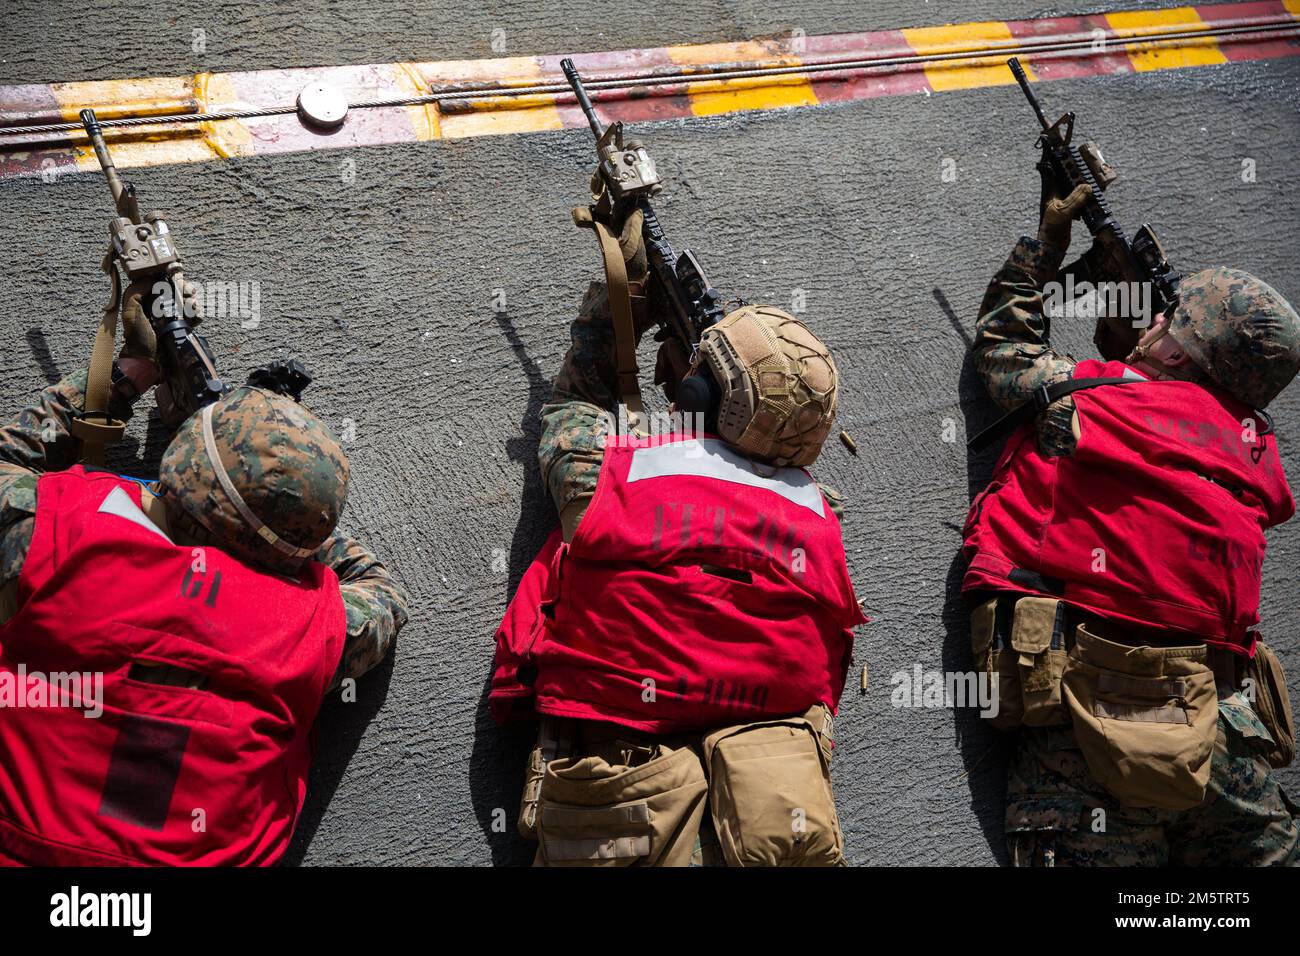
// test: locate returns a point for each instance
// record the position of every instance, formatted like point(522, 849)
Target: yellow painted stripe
point(1188, 53)
point(117, 99)
point(150, 146)
point(139, 97)
point(180, 143)
point(496, 115)
point(730, 96)
point(425, 121)
point(963, 74)
point(226, 138)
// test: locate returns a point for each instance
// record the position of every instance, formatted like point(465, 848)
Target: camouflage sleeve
point(374, 602)
point(834, 499)
point(37, 440)
point(1012, 353)
point(578, 416)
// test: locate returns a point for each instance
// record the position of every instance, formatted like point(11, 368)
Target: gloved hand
point(138, 359)
point(628, 229)
point(1059, 216)
point(632, 242)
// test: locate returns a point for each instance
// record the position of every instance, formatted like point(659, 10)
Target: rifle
point(1113, 256)
point(142, 249)
point(692, 304)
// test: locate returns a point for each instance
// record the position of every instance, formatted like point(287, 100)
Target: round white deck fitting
point(321, 105)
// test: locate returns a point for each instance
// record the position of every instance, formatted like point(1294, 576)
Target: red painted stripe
point(869, 83)
point(286, 134)
point(638, 105)
point(34, 104)
point(38, 103)
point(1072, 65)
point(1250, 49)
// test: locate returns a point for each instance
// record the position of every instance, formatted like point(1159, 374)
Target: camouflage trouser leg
point(1247, 819)
point(1057, 815)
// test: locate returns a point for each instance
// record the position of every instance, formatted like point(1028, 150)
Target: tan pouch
point(990, 639)
point(1145, 719)
point(1038, 632)
point(621, 806)
point(554, 740)
point(770, 792)
point(1272, 702)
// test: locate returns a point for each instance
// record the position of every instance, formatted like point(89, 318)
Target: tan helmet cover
point(778, 383)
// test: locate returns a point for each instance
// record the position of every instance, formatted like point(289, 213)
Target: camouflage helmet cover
point(286, 470)
point(778, 383)
point(1240, 331)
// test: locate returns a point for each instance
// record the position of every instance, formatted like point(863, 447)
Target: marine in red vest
point(165, 647)
point(1114, 573)
point(686, 632)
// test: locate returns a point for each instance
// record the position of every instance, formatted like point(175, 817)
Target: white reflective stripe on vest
point(711, 458)
point(119, 503)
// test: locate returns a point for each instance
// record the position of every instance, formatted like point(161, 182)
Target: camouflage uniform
point(38, 440)
point(1057, 815)
point(575, 424)
point(577, 419)
point(1012, 354)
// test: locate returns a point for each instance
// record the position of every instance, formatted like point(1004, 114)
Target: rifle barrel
point(1019, 73)
point(96, 134)
point(575, 81)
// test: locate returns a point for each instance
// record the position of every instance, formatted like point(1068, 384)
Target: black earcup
point(697, 394)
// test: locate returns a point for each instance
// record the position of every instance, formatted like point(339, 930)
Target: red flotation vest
point(700, 589)
point(1157, 519)
point(165, 774)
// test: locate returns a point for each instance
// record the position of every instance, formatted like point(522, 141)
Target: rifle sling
point(1044, 395)
point(93, 425)
point(620, 305)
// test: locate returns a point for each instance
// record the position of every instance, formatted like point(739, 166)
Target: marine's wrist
point(1036, 259)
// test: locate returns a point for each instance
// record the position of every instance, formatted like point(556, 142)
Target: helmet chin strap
point(253, 521)
point(1141, 354)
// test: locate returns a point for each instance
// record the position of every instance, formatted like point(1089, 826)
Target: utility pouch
point(1038, 629)
point(1145, 719)
point(554, 740)
point(995, 660)
point(627, 805)
point(770, 792)
point(1272, 703)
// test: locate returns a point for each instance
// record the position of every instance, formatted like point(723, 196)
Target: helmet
point(261, 475)
point(1240, 331)
point(777, 382)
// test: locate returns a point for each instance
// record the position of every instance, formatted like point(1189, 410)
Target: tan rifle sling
point(620, 305)
point(94, 426)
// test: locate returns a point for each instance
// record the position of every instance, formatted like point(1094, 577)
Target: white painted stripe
point(119, 503)
point(711, 458)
